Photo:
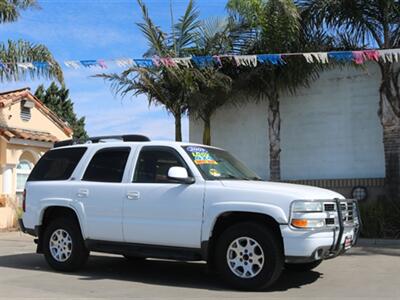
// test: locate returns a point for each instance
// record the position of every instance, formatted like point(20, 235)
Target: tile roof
point(11, 97)
point(32, 135)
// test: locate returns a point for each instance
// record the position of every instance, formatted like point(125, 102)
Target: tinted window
point(107, 165)
point(153, 165)
point(57, 164)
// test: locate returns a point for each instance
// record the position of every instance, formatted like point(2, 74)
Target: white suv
point(128, 195)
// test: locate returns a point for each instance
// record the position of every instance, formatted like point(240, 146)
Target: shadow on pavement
point(159, 272)
point(370, 250)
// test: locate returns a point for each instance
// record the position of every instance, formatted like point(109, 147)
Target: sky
point(102, 29)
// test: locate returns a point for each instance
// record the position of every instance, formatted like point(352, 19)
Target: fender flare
point(65, 203)
point(216, 210)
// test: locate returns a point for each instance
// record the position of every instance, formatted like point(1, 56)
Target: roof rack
point(99, 139)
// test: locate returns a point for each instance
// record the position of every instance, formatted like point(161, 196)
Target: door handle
point(133, 195)
point(83, 193)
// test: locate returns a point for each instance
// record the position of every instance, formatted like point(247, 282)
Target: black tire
point(79, 253)
point(270, 245)
point(303, 267)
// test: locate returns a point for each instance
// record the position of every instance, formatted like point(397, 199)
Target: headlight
point(307, 215)
point(307, 206)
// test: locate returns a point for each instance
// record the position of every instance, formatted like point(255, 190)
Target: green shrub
point(381, 219)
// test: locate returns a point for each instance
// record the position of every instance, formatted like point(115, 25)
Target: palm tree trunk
point(178, 127)
point(389, 113)
point(274, 132)
point(207, 131)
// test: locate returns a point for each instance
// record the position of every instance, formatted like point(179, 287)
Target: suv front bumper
point(303, 246)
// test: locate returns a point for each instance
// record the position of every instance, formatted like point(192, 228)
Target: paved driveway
point(364, 273)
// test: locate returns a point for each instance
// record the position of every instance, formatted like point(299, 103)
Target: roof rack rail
point(98, 139)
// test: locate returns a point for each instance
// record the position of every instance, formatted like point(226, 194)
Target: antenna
point(172, 25)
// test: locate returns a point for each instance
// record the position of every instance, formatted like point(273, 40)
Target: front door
point(158, 211)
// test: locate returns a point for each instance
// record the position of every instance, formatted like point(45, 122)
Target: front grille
point(329, 207)
point(330, 221)
point(347, 211)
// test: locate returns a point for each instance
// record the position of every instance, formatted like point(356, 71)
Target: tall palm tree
point(212, 90)
point(375, 23)
point(162, 85)
point(13, 52)
point(275, 27)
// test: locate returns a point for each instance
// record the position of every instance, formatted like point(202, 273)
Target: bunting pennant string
point(250, 61)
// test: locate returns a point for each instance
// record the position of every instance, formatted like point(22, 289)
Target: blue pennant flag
point(345, 56)
point(274, 59)
point(203, 61)
point(40, 64)
point(89, 63)
point(144, 63)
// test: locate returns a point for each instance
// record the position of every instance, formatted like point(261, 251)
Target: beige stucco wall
point(12, 152)
point(10, 117)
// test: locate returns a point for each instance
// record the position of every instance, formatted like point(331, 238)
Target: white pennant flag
point(246, 60)
point(72, 64)
point(183, 61)
point(26, 65)
point(390, 55)
point(320, 57)
point(124, 62)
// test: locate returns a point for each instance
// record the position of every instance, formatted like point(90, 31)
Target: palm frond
point(12, 53)
point(10, 9)
point(186, 29)
point(156, 38)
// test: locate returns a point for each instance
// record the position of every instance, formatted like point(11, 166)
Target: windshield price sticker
point(201, 156)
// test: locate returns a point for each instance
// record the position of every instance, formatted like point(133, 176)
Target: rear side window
point(107, 165)
point(57, 164)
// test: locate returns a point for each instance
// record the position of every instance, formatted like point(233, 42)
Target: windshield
point(215, 164)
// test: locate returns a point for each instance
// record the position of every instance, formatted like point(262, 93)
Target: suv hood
point(294, 191)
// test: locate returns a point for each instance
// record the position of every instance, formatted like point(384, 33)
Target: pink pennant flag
point(102, 64)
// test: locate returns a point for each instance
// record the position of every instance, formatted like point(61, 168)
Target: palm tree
point(375, 23)
point(162, 85)
point(212, 90)
point(14, 52)
point(275, 27)
point(167, 87)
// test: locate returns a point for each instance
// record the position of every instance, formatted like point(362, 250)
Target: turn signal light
point(301, 223)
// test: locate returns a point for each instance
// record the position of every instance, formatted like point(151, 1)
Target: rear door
point(101, 193)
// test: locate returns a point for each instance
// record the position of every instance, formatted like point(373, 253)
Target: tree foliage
point(13, 52)
point(57, 99)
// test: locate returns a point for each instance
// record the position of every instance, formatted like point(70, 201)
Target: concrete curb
point(378, 242)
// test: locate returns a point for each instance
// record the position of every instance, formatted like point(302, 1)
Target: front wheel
point(249, 256)
point(304, 267)
point(63, 245)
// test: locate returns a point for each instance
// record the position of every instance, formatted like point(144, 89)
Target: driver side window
point(153, 164)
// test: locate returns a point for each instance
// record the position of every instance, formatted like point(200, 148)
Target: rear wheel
point(303, 267)
point(249, 256)
point(63, 245)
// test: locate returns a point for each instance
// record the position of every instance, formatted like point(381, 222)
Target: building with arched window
point(27, 130)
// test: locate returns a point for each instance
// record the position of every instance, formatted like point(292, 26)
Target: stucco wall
point(10, 116)
point(330, 130)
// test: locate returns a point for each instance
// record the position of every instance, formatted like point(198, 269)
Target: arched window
point(24, 168)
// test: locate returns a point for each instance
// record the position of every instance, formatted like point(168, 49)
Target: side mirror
point(180, 174)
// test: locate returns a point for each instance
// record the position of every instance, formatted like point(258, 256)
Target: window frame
point(105, 149)
point(169, 149)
